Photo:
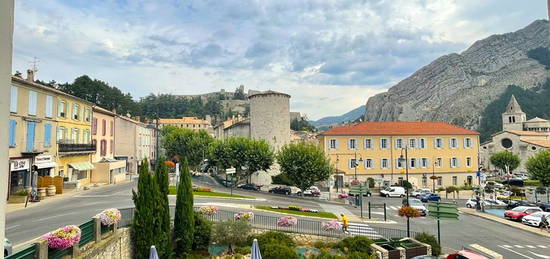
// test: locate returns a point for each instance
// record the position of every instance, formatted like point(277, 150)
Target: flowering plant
point(343, 195)
point(248, 216)
point(287, 221)
point(308, 210)
point(63, 237)
point(208, 210)
point(109, 217)
point(331, 225)
point(355, 182)
point(409, 212)
point(202, 189)
point(170, 164)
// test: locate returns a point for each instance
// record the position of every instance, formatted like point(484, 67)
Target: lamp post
point(433, 176)
point(355, 164)
point(406, 160)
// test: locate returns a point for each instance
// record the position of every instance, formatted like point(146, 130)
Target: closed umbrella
point(255, 253)
point(153, 253)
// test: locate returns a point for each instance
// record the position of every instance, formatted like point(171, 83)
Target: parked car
point(281, 190)
point(420, 192)
point(494, 184)
point(520, 176)
point(465, 254)
point(544, 206)
point(513, 203)
point(495, 202)
point(518, 213)
point(250, 186)
point(394, 191)
point(534, 219)
point(417, 204)
point(430, 197)
point(7, 247)
point(513, 182)
point(311, 191)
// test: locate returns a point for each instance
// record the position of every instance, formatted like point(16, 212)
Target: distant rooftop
point(184, 120)
point(399, 128)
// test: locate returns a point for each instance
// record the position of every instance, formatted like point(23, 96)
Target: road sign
point(230, 171)
point(358, 189)
point(442, 211)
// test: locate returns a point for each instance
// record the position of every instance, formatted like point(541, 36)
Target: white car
point(535, 218)
point(521, 176)
point(311, 191)
point(394, 191)
point(417, 204)
point(471, 203)
point(420, 192)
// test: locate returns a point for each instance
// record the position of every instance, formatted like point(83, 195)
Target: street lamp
point(433, 176)
point(406, 160)
point(355, 164)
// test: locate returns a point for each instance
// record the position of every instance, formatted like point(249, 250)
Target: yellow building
point(378, 150)
point(75, 148)
point(192, 123)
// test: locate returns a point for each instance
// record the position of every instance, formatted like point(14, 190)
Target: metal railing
point(27, 253)
point(63, 147)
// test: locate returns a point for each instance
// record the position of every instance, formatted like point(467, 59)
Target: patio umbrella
point(153, 253)
point(255, 253)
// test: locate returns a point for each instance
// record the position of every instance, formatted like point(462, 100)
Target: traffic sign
point(358, 189)
point(442, 211)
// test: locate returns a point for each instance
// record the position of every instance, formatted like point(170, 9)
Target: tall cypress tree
point(143, 223)
point(184, 221)
point(162, 212)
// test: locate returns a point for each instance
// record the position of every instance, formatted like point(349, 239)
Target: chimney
point(30, 75)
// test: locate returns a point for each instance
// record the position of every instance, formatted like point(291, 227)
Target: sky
point(329, 55)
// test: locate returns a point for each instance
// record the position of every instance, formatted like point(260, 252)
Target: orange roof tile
point(542, 143)
point(399, 128)
point(184, 120)
point(528, 133)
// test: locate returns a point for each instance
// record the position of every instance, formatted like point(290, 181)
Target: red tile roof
point(399, 128)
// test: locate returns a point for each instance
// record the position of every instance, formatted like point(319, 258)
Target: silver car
point(7, 247)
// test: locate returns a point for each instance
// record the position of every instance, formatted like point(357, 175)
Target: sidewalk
point(504, 221)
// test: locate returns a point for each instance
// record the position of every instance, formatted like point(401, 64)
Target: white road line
point(530, 246)
point(516, 252)
point(8, 228)
point(507, 246)
point(539, 255)
point(56, 216)
point(518, 246)
point(393, 208)
point(541, 246)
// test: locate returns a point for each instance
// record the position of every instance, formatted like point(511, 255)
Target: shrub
point(246, 216)
point(355, 244)
point(243, 250)
point(531, 182)
point(22, 192)
point(277, 251)
point(360, 255)
point(294, 207)
point(326, 254)
point(322, 245)
point(370, 182)
point(273, 237)
point(202, 189)
point(202, 233)
point(440, 189)
point(467, 187)
point(430, 240)
point(231, 232)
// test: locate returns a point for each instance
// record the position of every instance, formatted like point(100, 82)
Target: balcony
point(76, 148)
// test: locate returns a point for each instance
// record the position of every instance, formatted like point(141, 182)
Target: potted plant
point(63, 238)
point(19, 196)
point(208, 210)
point(287, 221)
point(109, 217)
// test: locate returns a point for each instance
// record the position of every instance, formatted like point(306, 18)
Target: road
point(26, 224)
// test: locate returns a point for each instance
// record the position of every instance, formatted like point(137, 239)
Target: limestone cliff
point(456, 88)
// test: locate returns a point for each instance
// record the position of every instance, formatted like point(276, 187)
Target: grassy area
point(173, 191)
point(320, 214)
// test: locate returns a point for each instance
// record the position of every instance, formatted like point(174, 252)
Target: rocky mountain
point(326, 122)
point(456, 88)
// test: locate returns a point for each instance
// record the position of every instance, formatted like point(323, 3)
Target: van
point(394, 191)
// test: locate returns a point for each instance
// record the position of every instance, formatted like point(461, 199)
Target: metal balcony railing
point(76, 147)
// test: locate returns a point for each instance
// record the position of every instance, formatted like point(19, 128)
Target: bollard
point(385, 212)
point(97, 229)
point(369, 210)
point(42, 249)
point(75, 250)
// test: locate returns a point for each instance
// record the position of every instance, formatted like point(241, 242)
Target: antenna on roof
point(34, 64)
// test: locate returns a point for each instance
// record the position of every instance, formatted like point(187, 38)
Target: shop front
point(45, 165)
point(79, 172)
point(109, 171)
point(20, 174)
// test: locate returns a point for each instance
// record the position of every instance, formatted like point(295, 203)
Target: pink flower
point(63, 237)
point(331, 225)
point(109, 217)
point(287, 221)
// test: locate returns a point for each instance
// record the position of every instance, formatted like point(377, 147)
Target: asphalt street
point(27, 224)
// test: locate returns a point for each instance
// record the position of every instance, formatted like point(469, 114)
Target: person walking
point(345, 223)
point(544, 222)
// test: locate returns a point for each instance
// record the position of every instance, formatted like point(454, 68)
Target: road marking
point(539, 255)
point(541, 246)
point(393, 208)
point(518, 246)
point(60, 215)
point(516, 252)
point(8, 228)
point(507, 246)
point(530, 246)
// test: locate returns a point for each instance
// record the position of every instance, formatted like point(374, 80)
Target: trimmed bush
point(326, 254)
point(294, 207)
point(359, 255)
point(355, 244)
point(243, 250)
point(430, 240)
point(278, 251)
point(273, 237)
point(531, 182)
point(202, 233)
point(231, 232)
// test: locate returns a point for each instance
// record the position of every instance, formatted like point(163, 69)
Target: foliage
point(208, 210)
point(272, 237)
point(542, 55)
point(202, 189)
point(304, 163)
point(505, 158)
point(244, 216)
point(231, 232)
point(320, 214)
point(287, 221)
point(109, 217)
point(538, 167)
point(277, 251)
point(184, 219)
point(281, 179)
point(331, 225)
point(355, 244)
point(187, 144)
point(440, 189)
point(406, 184)
point(239, 94)
point(408, 211)
point(22, 192)
point(294, 207)
point(171, 106)
point(430, 240)
point(202, 233)
point(532, 182)
point(243, 250)
point(360, 255)
point(370, 182)
point(63, 237)
point(161, 177)
point(534, 102)
point(451, 189)
point(320, 244)
point(170, 164)
point(301, 125)
point(162, 212)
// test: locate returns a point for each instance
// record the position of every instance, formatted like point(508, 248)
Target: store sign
point(43, 159)
point(19, 164)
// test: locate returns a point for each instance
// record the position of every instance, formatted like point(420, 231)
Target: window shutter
point(112, 145)
point(94, 126)
point(111, 128)
point(13, 125)
point(13, 99)
point(104, 127)
point(49, 106)
point(428, 161)
point(47, 135)
point(32, 103)
point(337, 144)
point(457, 162)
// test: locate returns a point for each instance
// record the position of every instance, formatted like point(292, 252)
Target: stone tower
point(513, 118)
point(270, 118)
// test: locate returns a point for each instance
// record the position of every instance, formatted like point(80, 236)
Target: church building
point(519, 136)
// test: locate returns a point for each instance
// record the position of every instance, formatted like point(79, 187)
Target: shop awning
point(46, 165)
point(82, 166)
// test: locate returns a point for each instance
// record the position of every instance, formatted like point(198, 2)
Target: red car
point(518, 213)
point(465, 254)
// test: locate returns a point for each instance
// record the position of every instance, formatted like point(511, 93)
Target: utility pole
point(6, 50)
point(157, 138)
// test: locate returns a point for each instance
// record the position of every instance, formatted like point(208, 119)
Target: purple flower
point(63, 237)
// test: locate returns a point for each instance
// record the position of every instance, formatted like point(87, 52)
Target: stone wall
point(270, 118)
point(114, 245)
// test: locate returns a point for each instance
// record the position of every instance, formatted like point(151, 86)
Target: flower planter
point(17, 199)
point(401, 248)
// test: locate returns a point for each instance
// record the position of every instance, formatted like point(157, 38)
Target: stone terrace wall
point(116, 246)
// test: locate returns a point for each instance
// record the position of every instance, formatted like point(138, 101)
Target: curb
point(294, 215)
point(499, 220)
point(223, 197)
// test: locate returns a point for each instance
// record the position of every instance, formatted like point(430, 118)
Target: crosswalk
point(527, 246)
point(359, 229)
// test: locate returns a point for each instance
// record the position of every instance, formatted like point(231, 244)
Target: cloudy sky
point(330, 55)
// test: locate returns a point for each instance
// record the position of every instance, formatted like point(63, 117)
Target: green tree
point(184, 221)
point(161, 175)
point(187, 144)
point(538, 167)
point(301, 125)
point(219, 154)
point(239, 94)
point(231, 232)
point(143, 221)
point(162, 211)
point(504, 160)
point(304, 163)
point(203, 232)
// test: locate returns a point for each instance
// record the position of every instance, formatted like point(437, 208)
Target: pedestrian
point(544, 222)
point(345, 223)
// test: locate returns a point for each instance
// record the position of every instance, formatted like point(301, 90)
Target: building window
point(368, 143)
point(76, 112)
point(33, 96)
point(94, 126)
point(62, 109)
point(384, 143)
point(399, 163)
point(369, 164)
point(412, 163)
point(400, 181)
point(422, 143)
point(439, 180)
point(454, 162)
point(399, 143)
point(455, 180)
point(453, 143)
point(13, 99)
point(438, 162)
point(103, 127)
point(438, 143)
point(111, 127)
point(60, 133)
point(12, 133)
point(75, 136)
point(424, 180)
point(352, 163)
point(385, 164)
point(352, 144)
point(424, 163)
point(112, 146)
point(49, 106)
point(467, 143)
point(332, 144)
point(412, 143)
point(469, 162)
point(87, 113)
point(103, 147)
